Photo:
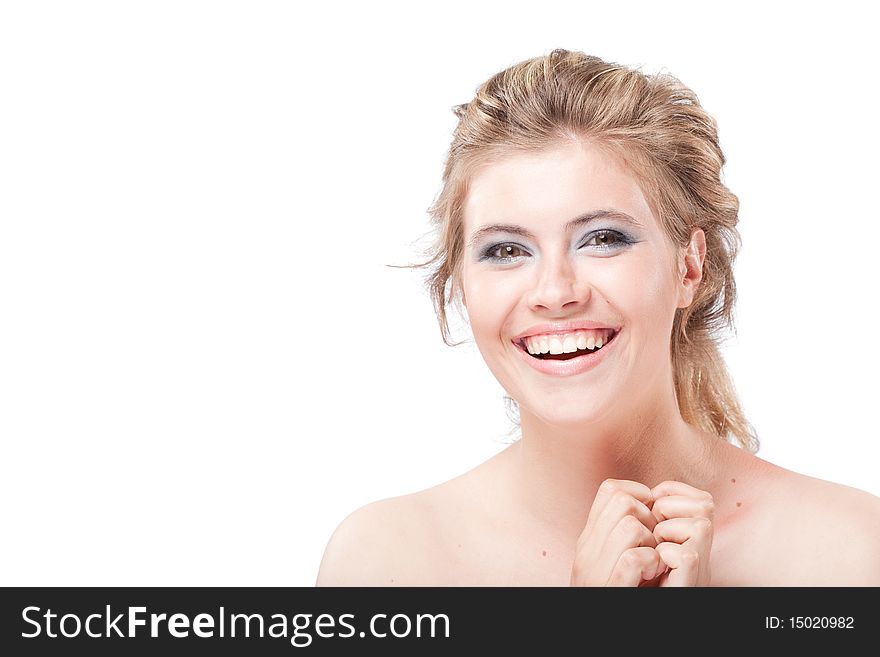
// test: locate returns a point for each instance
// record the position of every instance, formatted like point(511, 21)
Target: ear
point(690, 267)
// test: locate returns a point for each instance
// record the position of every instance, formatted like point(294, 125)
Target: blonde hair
point(657, 125)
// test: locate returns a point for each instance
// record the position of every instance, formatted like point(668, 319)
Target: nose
point(557, 288)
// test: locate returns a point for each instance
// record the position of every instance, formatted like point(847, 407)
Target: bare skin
point(608, 484)
point(772, 527)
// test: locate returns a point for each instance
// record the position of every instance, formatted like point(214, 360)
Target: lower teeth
point(568, 356)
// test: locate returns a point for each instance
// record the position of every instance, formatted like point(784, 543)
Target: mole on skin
point(543, 553)
point(733, 481)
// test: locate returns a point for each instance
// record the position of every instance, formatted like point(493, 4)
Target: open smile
point(568, 353)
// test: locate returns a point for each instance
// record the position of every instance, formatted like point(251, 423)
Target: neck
point(559, 469)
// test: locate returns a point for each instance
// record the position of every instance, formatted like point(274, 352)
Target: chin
point(569, 413)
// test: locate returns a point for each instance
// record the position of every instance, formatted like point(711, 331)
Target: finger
point(679, 530)
point(616, 498)
point(610, 487)
point(627, 534)
point(683, 506)
point(618, 515)
point(636, 565)
point(684, 562)
point(676, 488)
point(624, 504)
point(694, 535)
point(602, 523)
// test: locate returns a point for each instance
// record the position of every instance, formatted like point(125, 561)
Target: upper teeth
point(567, 343)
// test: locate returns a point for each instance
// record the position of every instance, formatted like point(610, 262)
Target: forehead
point(546, 189)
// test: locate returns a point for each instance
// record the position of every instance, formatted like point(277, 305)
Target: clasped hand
point(640, 536)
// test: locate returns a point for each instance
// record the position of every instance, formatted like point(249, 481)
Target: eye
point(506, 251)
point(606, 239)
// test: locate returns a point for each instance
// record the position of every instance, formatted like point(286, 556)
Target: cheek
point(638, 290)
point(489, 299)
point(653, 296)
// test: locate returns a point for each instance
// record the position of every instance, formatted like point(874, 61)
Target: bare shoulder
point(836, 529)
point(846, 530)
point(415, 539)
point(380, 544)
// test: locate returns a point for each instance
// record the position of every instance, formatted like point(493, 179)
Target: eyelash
point(489, 252)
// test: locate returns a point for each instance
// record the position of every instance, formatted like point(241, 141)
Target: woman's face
point(562, 253)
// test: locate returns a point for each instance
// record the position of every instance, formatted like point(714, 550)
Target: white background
point(205, 363)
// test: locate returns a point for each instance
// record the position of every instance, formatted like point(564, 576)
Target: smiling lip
point(561, 327)
point(572, 366)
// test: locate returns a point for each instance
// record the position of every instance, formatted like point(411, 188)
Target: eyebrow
point(577, 222)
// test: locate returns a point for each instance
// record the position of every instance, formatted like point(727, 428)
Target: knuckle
point(631, 559)
point(623, 502)
point(631, 525)
point(704, 526)
point(609, 486)
point(690, 557)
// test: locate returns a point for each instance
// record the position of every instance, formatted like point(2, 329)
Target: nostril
point(559, 291)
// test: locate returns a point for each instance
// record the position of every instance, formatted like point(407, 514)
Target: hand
point(616, 547)
point(683, 532)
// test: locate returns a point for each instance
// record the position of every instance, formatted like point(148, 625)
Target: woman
point(585, 231)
